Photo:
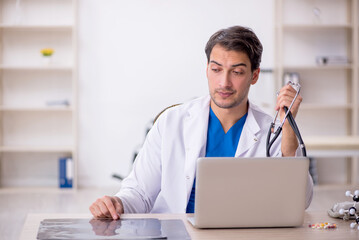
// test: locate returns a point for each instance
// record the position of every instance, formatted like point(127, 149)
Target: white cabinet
point(38, 94)
point(318, 39)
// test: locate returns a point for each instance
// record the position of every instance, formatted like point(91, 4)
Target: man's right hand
point(107, 207)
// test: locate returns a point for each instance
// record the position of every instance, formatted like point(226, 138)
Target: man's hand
point(284, 99)
point(107, 207)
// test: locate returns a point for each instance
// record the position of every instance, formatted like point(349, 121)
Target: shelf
point(305, 32)
point(332, 143)
point(35, 190)
point(36, 68)
point(319, 67)
point(322, 27)
point(38, 94)
point(37, 27)
point(38, 149)
point(332, 147)
point(36, 109)
point(322, 106)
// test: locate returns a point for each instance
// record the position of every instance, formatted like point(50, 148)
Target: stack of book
point(331, 60)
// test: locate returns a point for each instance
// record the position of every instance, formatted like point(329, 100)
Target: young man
point(224, 123)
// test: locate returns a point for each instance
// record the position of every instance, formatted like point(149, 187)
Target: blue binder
point(65, 172)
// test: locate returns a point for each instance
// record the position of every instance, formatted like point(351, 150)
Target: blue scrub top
point(219, 144)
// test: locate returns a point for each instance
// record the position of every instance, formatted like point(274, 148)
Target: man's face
point(229, 77)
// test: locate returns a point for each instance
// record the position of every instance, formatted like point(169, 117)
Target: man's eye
point(238, 73)
point(215, 70)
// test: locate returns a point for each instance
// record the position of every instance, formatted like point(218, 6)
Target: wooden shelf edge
point(53, 27)
point(332, 143)
point(319, 67)
point(35, 109)
point(310, 106)
point(304, 26)
point(37, 68)
point(334, 186)
point(7, 190)
point(44, 149)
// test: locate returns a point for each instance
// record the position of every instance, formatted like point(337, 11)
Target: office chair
point(147, 130)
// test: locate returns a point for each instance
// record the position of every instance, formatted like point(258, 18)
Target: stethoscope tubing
point(294, 126)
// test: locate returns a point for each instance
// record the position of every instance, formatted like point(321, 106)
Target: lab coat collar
point(195, 135)
point(249, 133)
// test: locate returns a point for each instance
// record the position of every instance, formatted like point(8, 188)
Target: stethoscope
point(292, 123)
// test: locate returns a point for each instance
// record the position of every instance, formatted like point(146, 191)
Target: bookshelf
point(38, 96)
point(306, 31)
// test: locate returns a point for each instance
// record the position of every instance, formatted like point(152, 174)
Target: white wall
point(137, 57)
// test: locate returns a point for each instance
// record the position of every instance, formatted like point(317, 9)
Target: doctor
point(225, 123)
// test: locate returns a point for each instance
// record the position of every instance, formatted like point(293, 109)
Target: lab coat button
point(255, 139)
point(187, 177)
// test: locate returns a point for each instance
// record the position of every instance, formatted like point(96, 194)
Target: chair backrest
point(158, 115)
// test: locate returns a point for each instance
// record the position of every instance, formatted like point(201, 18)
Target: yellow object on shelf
point(47, 52)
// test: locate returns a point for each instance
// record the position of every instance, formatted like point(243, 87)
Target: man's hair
point(238, 39)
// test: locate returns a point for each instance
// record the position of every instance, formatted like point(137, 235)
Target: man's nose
point(225, 80)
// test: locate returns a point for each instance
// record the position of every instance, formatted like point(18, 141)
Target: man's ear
point(255, 76)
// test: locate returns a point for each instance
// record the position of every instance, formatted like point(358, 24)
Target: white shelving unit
point(328, 119)
point(38, 98)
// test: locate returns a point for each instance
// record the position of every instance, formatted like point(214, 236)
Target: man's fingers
point(95, 210)
point(109, 207)
point(286, 96)
point(282, 98)
point(109, 202)
point(99, 209)
point(287, 101)
point(104, 209)
point(92, 210)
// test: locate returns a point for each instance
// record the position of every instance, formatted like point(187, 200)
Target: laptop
point(250, 192)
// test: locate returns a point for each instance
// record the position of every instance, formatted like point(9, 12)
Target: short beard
point(229, 105)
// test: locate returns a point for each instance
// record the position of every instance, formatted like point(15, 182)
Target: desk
point(343, 230)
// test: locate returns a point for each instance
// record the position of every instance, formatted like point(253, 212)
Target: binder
point(65, 172)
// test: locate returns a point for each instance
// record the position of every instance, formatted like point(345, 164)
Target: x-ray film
point(144, 228)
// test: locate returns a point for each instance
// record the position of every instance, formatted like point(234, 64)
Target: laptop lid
point(250, 192)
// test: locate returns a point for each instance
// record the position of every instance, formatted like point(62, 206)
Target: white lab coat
point(164, 170)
